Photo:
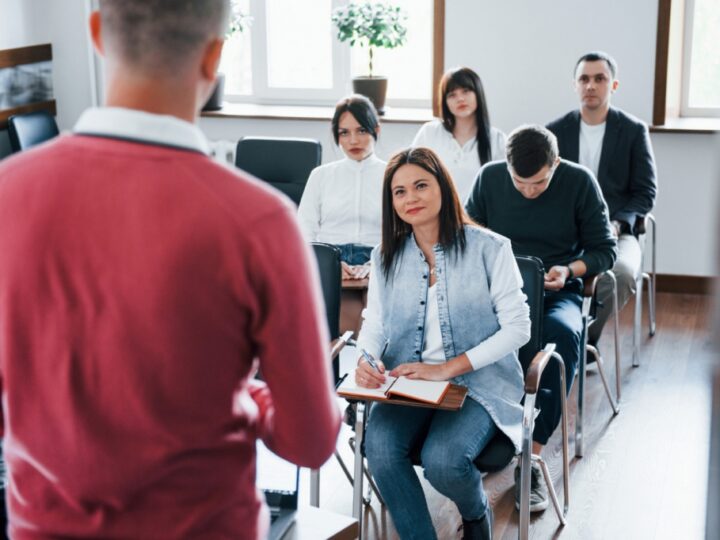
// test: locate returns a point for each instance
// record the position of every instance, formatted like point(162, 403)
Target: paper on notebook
point(419, 390)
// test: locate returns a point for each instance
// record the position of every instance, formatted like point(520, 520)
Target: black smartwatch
point(571, 274)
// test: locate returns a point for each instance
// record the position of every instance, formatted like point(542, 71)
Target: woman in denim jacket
point(444, 303)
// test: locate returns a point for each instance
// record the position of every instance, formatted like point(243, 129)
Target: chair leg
point(653, 277)
point(601, 370)
point(650, 280)
point(581, 391)
point(315, 488)
point(616, 330)
point(528, 424)
point(637, 321)
point(359, 462)
point(371, 481)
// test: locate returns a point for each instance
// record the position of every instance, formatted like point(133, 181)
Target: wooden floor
point(644, 473)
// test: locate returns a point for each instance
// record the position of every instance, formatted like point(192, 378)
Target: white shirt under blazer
point(342, 202)
point(463, 161)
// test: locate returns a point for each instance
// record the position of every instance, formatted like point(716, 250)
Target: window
point(290, 55)
point(701, 62)
point(687, 66)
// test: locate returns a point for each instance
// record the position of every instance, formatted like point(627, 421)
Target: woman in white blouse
point(341, 204)
point(463, 138)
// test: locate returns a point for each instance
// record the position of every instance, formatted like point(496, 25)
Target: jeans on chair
point(354, 254)
point(562, 325)
point(452, 440)
point(626, 269)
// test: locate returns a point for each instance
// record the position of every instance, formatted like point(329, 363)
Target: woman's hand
point(359, 271)
point(420, 370)
point(347, 271)
point(367, 377)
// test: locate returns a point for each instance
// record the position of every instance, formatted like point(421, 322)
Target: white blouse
point(463, 162)
point(342, 202)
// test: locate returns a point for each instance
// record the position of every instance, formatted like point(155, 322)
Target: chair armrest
point(640, 226)
point(537, 366)
point(339, 344)
point(589, 284)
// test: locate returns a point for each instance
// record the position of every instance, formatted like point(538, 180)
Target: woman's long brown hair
point(452, 215)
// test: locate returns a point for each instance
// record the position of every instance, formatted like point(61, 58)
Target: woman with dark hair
point(463, 138)
point(341, 202)
point(444, 303)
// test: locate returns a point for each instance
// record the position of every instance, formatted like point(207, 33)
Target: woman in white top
point(463, 138)
point(341, 203)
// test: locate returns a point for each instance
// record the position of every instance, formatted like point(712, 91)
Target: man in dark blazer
point(615, 146)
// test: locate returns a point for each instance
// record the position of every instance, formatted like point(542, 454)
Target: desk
point(353, 301)
point(316, 524)
point(453, 400)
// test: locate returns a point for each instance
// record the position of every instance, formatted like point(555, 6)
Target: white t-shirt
point(342, 202)
point(591, 139)
point(463, 162)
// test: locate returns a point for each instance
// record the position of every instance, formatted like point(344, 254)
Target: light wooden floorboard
point(644, 473)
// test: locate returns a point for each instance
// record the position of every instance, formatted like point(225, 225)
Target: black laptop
point(278, 479)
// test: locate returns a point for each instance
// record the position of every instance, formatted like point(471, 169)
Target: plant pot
point(374, 88)
point(215, 101)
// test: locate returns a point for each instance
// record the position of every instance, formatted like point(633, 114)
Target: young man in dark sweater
point(551, 209)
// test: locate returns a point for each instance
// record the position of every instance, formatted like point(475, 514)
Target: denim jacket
point(467, 318)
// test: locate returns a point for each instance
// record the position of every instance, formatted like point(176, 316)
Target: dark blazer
point(626, 173)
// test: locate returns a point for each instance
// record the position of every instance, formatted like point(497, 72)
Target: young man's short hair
point(159, 35)
point(529, 148)
point(594, 56)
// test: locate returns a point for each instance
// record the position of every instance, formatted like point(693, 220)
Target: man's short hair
point(594, 56)
point(158, 36)
point(529, 148)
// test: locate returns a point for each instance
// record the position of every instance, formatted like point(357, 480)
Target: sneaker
point(538, 489)
point(479, 529)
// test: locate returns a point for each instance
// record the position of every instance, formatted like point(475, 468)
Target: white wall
point(523, 50)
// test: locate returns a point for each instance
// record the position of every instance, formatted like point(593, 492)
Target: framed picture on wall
point(26, 83)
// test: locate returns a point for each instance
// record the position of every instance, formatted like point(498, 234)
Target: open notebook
point(419, 390)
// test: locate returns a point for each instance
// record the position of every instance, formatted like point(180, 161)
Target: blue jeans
point(452, 440)
point(562, 325)
point(354, 254)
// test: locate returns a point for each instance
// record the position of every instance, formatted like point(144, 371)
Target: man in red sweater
point(140, 286)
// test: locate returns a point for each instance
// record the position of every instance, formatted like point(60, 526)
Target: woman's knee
point(444, 468)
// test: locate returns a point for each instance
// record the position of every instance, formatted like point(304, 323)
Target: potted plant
point(371, 25)
point(238, 22)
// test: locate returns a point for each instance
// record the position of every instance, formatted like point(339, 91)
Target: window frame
point(669, 109)
point(263, 94)
point(687, 46)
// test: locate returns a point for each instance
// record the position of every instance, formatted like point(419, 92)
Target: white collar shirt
point(140, 126)
point(462, 162)
point(342, 202)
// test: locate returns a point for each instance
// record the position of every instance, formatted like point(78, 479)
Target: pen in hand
point(370, 360)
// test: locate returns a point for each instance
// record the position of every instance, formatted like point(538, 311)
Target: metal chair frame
point(532, 384)
point(651, 280)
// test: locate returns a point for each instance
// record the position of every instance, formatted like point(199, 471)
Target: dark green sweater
point(567, 222)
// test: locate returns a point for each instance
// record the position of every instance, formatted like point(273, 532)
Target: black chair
point(328, 260)
point(284, 163)
point(31, 129)
point(500, 452)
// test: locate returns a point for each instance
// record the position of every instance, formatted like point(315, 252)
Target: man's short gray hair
point(159, 35)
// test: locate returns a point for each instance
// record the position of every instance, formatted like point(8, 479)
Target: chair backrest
point(328, 259)
point(533, 276)
point(500, 450)
point(284, 163)
point(28, 130)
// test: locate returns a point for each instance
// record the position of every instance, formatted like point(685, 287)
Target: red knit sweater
point(137, 284)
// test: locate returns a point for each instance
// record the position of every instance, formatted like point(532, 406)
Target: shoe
point(479, 529)
point(538, 489)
